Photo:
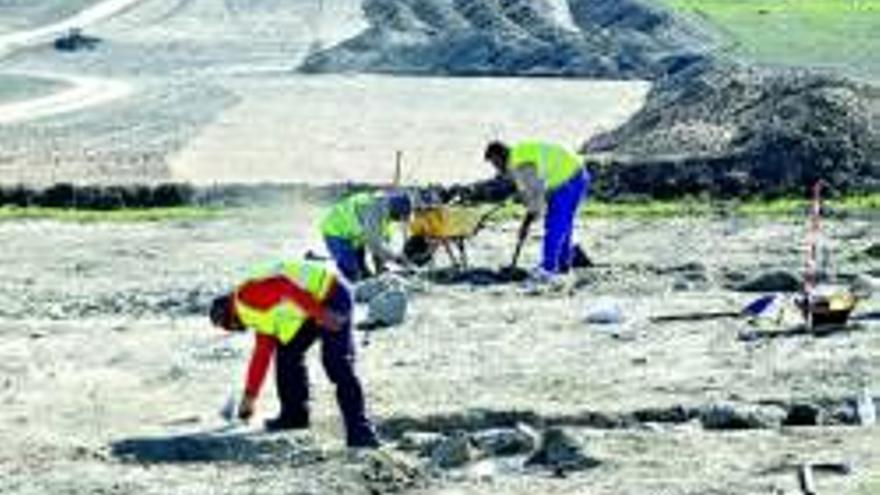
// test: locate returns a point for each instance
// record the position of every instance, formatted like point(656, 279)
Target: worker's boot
point(363, 441)
point(288, 422)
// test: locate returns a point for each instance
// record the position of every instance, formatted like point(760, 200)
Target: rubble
point(561, 452)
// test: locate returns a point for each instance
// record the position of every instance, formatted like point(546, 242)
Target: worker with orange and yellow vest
point(289, 305)
point(552, 181)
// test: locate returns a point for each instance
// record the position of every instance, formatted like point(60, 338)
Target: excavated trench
point(481, 424)
point(765, 414)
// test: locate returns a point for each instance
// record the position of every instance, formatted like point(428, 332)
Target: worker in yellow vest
point(289, 305)
point(363, 222)
point(552, 181)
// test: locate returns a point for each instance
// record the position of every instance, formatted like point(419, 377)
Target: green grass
point(841, 34)
point(127, 215)
point(704, 207)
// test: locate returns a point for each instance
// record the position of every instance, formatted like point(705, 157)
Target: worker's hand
point(402, 261)
point(333, 321)
point(526, 225)
point(246, 407)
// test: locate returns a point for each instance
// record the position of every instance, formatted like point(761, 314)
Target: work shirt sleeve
point(531, 188)
point(372, 217)
point(264, 350)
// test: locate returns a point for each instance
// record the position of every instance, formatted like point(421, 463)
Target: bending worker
point(290, 305)
point(551, 181)
point(363, 222)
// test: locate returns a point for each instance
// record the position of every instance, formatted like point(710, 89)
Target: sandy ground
point(86, 17)
point(327, 129)
point(82, 93)
point(106, 357)
point(103, 343)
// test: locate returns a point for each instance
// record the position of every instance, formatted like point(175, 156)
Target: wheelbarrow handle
point(481, 223)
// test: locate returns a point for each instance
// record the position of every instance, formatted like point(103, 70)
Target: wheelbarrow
point(449, 227)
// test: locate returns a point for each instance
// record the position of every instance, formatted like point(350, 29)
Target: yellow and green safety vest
point(554, 164)
point(342, 220)
point(284, 319)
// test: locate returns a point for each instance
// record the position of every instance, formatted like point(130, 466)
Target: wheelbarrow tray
point(449, 226)
point(446, 223)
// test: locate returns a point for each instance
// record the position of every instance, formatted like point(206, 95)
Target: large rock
point(504, 441)
point(421, 442)
point(561, 452)
point(454, 451)
point(368, 289)
point(387, 309)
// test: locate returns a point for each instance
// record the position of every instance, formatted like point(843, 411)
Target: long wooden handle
point(519, 245)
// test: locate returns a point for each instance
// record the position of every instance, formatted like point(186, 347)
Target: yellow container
point(445, 222)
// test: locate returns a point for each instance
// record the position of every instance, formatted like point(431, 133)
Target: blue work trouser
point(562, 206)
point(337, 356)
point(351, 260)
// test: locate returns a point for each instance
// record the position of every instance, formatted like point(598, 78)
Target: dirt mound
point(597, 38)
point(734, 130)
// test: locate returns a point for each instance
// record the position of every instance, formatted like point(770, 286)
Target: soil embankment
point(589, 38)
point(734, 130)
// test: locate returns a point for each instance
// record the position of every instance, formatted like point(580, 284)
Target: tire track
point(84, 91)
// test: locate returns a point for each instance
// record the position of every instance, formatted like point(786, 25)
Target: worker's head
point(400, 206)
point(497, 153)
point(223, 314)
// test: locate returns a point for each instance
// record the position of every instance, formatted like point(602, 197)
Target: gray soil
point(735, 130)
point(112, 378)
point(595, 38)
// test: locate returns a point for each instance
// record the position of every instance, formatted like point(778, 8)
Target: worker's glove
point(333, 321)
point(246, 407)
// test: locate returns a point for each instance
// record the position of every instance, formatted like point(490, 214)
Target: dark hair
point(400, 205)
point(220, 309)
point(496, 149)
point(418, 250)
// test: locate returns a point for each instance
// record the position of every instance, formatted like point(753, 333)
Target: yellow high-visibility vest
point(554, 164)
point(342, 219)
point(284, 319)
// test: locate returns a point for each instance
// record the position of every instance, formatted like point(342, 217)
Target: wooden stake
point(398, 165)
point(810, 265)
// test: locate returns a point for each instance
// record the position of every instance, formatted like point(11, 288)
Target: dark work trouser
point(351, 260)
point(337, 356)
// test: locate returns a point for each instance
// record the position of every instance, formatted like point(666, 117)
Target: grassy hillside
point(840, 34)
